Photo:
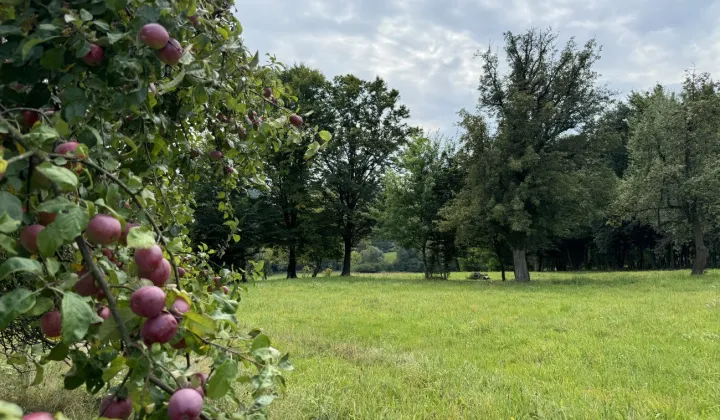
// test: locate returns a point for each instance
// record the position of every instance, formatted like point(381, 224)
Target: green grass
point(390, 257)
point(565, 346)
point(591, 345)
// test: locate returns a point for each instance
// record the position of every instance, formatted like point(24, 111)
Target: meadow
point(568, 345)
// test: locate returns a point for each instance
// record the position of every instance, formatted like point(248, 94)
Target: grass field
point(575, 346)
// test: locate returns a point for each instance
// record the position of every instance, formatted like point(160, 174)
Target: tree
point(545, 95)
point(110, 111)
point(673, 178)
point(368, 127)
point(413, 196)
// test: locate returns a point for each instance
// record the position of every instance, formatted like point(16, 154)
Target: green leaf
point(13, 304)
point(6, 30)
point(52, 265)
point(171, 85)
point(77, 315)
point(219, 383)
point(11, 205)
point(138, 238)
point(108, 329)
point(8, 224)
point(59, 352)
point(261, 341)
point(15, 264)
point(56, 205)
point(85, 15)
point(175, 246)
point(65, 178)
point(312, 150)
point(53, 59)
point(255, 60)
point(7, 243)
point(9, 410)
point(114, 37)
point(30, 43)
point(75, 104)
point(117, 365)
point(42, 305)
point(42, 133)
point(325, 135)
point(199, 324)
point(39, 375)
point(67, 226)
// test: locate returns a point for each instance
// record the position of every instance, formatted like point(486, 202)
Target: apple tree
point(109, 111)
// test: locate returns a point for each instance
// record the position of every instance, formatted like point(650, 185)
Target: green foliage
point(144, 133)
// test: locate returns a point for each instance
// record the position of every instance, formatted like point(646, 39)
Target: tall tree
point(546, 94)
point(673, 178)
point(413, 196)
point(368, 126)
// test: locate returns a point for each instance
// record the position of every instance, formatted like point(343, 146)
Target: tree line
point(551, 171)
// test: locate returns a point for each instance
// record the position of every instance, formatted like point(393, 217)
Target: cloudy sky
point(425, 48)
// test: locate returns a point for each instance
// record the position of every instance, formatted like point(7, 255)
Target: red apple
point(217, 279)
point(148, 301)
point(160, 275)
point(115, 408)
point(104, 312)
point(154, 35)
point(179, 345)
point(171, 53)
point(51, 324)
point(180, 305)
point(159, 329)
point(296, 120)
point(216, 155)
point(86, 285)
point(103, 229)
point(28, 238)
point(38, 416)
point(95, 56)
point(148, 259)
point(226, 290)
point(195, 153)
point(30, 118)
point(229, 169)
point(68, 147)
point(107, 252)
point(194, 20)
point(181, 272)
point(185, 404)
point(267, 92)
point(46, 218)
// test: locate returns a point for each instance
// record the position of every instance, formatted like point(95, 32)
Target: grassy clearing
point(591, 345)
point(394, 346)
point(390, 257)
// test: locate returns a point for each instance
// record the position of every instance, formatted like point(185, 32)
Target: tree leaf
point(138, 238)
point(11, 205)
point(75, 104)
point(65, 178)
point(39, 375)
point(15, 264)
point(117, 365)
point(41, 134)
point(199, 324)
point(7, 243)
point(109, 330)
point(67, 226)
point(13, 304)
point(53, 59)
point(325, 135)
point(56, 205)
point(260, 341)
point(9, 410)
point(171, 85)
point(59, 352)
point(42, 305)
point(77, 315)
point(8, 224)
point(85, 15)
point(114, 37)
point(255, 60)
point(219, 383)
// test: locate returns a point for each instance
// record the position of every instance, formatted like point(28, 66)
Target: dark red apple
point(30, 118)
point(217, 279)
point(148, 259)
point(104, 312)
point(229, 169)
point(108, 253)
point(38, 416)
point(46, 218)
point(296, 120)
point(226, 290)
point(202, 377)
point(95, 56)
point(252, 115)
point(171, 53)
point(179, 345)
point(154, 35)
point(159, 329)
point(181, 272)
point(51, 324)
point(267, 92)
point(195, 153)
point(115, 408)
point(185, 404)
point(194, 20)
point(180, 305)
point(243, 133)
point(104, 229)
point(28, 238)
point(216, 155)
point(86, 285)
point(148, 301)
point(68, 147)
point(160, 275)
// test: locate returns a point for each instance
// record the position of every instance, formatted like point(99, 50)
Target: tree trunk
point(701, 251)
point(520, 265)
point(348, 253)
point(502, 270)
point(318, 264)
point(424, 261)
point(292, 263)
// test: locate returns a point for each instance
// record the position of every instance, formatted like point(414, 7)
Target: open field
point(590, 345)
point(567, 345)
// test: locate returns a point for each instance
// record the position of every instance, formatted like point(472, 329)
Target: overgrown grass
point(567, 345)
point(590, 345)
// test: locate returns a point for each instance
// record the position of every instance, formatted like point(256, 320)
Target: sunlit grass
point(567, 345)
